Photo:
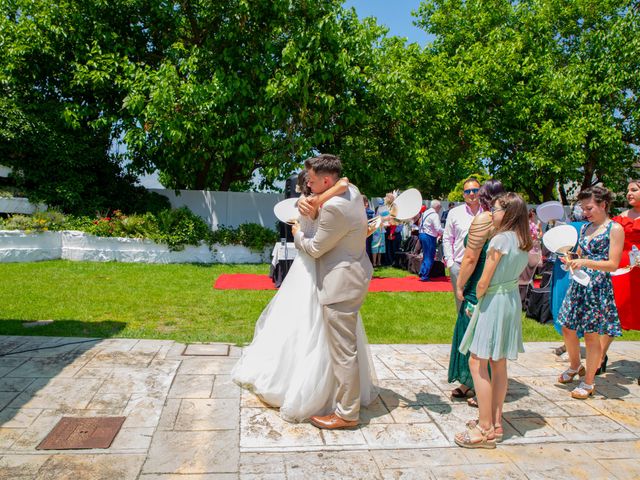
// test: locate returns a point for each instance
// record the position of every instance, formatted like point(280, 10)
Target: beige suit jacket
point(343, 268)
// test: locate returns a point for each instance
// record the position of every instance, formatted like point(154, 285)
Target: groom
point(343, 274)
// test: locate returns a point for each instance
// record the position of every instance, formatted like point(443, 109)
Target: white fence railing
point(227, 208)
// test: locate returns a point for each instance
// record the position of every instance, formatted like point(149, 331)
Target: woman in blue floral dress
point(591, 309)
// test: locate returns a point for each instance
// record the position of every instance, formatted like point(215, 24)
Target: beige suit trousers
point(341, 319)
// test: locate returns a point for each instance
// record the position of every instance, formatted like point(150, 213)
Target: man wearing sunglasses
point(456, 229)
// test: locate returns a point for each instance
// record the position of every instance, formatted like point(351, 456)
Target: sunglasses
point(494, 210)
point(471, 190)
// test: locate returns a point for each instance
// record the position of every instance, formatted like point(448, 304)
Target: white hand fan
point(286, 211)
point(621, 271)
point(562, 240)
point(407, 205)
point(548, 211)
point(374, 224)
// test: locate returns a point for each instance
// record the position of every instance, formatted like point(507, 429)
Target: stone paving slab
point(187, 420)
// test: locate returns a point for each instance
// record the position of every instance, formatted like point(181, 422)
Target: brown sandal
point(458, 392)
point(499, 431)
point(464, 439)
point(582, 391)
point(569, 374)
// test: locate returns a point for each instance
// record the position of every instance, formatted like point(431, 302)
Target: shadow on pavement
point(28, 364)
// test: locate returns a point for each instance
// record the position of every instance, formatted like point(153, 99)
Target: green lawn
point(178, 302)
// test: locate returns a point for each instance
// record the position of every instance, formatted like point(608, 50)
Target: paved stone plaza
point(186, 420)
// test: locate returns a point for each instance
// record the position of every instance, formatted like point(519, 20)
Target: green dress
point(458, 362)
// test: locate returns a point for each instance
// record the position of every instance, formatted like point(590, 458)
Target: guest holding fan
point(590, 309)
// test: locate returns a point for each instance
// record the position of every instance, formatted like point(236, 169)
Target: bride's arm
point(309, 205)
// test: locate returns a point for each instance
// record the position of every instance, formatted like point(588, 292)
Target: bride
point(288, 364)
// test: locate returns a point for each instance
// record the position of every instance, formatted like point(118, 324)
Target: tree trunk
point(563, 194)
point(228, 177)
point(589, 170)
point(201, 178)
point(548, 191)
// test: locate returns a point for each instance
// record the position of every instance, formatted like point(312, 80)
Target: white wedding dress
point(288, 364)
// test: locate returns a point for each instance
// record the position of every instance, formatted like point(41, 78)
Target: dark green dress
point(459, 363)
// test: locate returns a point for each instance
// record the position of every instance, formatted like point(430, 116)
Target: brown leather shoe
point(332, 422)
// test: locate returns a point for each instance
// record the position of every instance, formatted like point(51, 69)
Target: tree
point(545, 91)
point(56, 123)
point(246, 87)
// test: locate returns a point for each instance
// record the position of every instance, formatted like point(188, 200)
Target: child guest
point(495, 330)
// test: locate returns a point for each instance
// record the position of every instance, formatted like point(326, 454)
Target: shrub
point(38, 222)
point(182, 227)
point(251, 235)
point(176, 228)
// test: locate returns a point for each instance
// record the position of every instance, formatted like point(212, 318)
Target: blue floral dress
point(592, 308)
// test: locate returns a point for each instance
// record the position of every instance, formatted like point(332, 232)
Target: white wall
point(227, 208)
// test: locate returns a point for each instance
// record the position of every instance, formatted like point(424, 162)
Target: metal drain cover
point(80, 433)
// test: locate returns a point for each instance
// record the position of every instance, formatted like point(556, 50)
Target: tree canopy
point(543, 92)
point(538, 93)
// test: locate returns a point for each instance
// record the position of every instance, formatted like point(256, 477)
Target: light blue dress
point(495, 328)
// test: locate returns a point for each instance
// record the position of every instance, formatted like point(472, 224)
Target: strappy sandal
point(472, 402)
point(458, 392)
point(464, 439)
point(569, 374)
point(499, 433)
point(498, 430)
point(582, 391)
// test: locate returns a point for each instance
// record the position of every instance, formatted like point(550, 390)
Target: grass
point(178, 302)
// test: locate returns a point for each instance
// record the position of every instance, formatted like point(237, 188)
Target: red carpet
point(243, 281)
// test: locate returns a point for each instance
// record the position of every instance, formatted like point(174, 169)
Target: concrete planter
point(19, 246)
point(239, 254)
point(19, 205)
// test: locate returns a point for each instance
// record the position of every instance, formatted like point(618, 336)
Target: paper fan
point(560, 239)
point(621, 271)
point(286, 211)
point(581, 277)
point(407, 205)
point(548, 211)
point(374, 224)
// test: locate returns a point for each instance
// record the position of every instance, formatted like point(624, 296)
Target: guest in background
point(591, 309)
point(626, 288)
point(429, 230)
point(535, 255)
point(377, 238)
point(445, 213)
point(391, 243)
point(456, 229)
point(370, 215)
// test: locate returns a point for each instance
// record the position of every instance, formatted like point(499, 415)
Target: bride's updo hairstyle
point(325, 164)
point(515, 219)
point(598, 194)
point(488, 192)
point(301, 186)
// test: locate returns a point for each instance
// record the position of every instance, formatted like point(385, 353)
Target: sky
point(395, 14)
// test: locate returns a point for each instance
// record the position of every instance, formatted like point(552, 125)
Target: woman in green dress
point(470, 272)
